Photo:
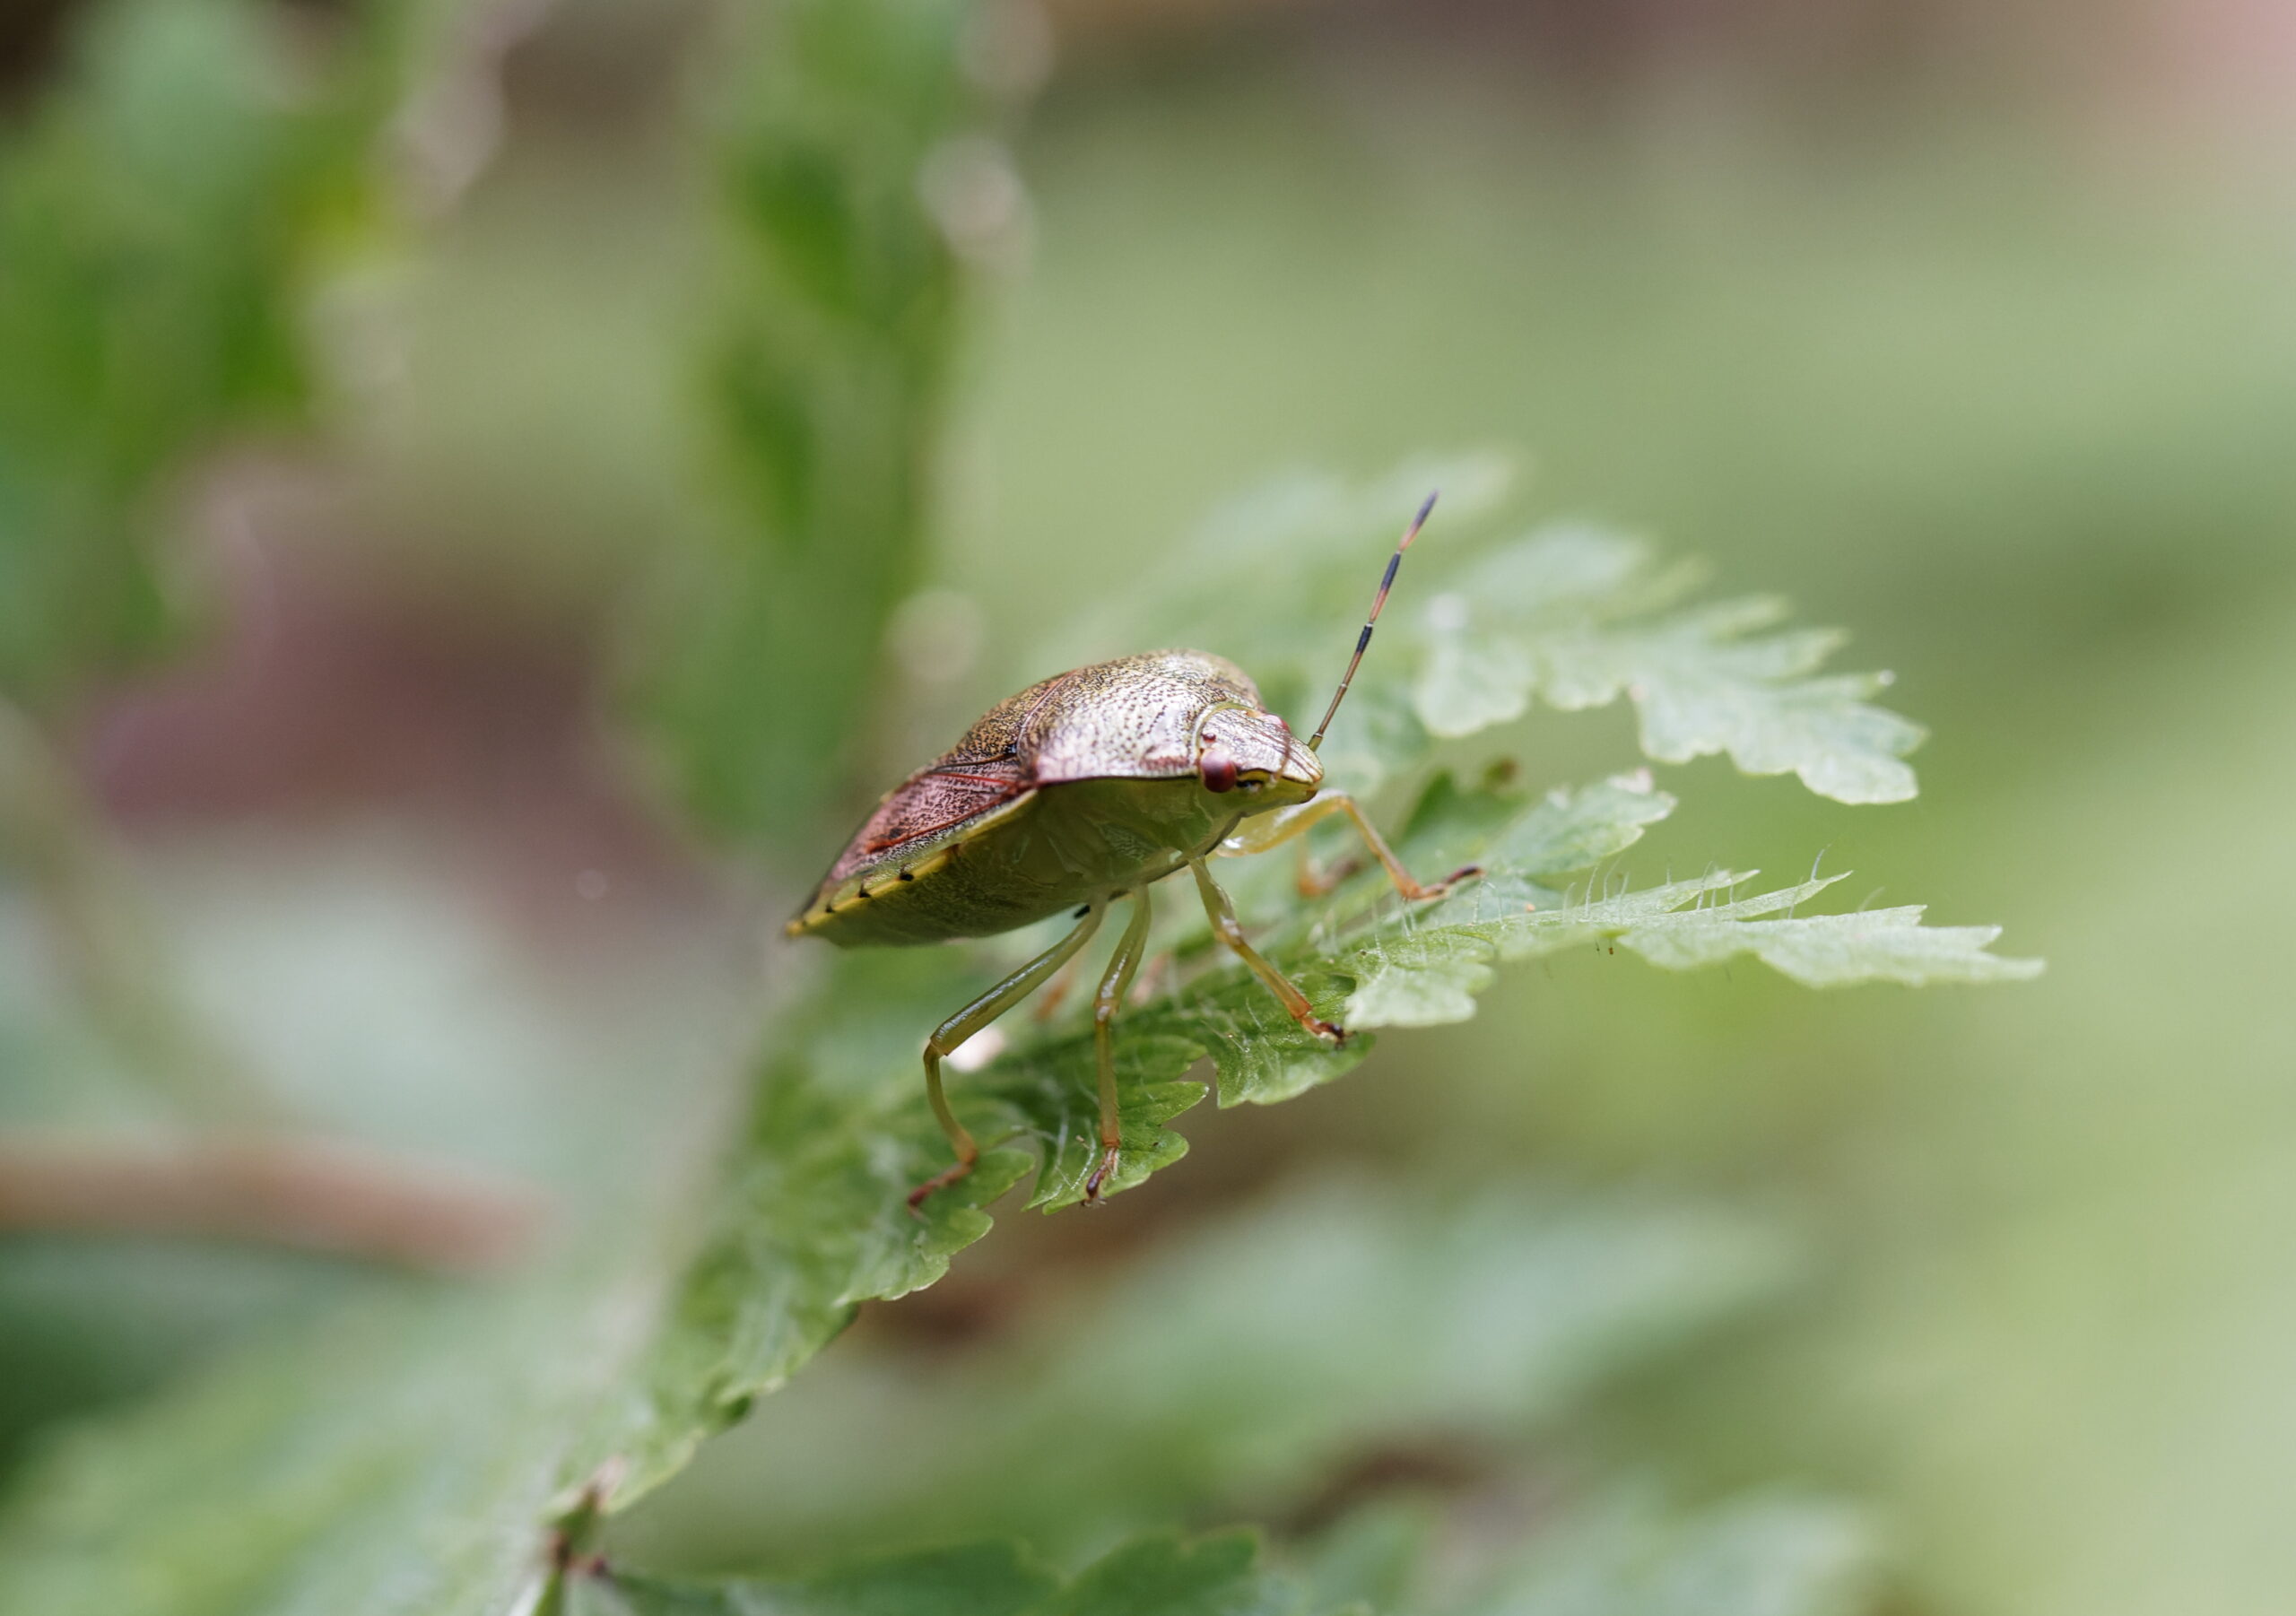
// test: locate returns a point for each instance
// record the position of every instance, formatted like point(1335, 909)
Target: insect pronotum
point(1082, 791)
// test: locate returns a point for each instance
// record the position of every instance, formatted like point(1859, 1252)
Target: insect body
point(1083, 790)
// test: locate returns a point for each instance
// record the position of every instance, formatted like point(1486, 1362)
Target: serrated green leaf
point(1827, 951)
point(1569, 613)
point(1579, 617)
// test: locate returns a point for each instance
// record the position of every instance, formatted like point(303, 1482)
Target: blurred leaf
point(158, 220)
point(826, 370)
point(407, 1451)
point(1241, 1366)
point(1755, 1557)
point(1152, 1577)
point(1370, 1559)
point(980, 1579)
point(447, 1430)
point(1752, 1557)
point(1749, 1556)
point(400, 1456)
point(85, 1325)
point(1164, 1576)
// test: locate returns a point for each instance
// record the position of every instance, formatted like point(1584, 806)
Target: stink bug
point(1083, 789)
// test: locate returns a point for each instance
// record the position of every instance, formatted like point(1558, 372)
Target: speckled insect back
point(1014, 823)
point(1083, 789)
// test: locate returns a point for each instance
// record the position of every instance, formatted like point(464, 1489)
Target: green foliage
point(1244, 1364)
point(1626, 1556)
point(159, 224)
point(809, 1212)
point(395, 1457)
point(809, 1218)
point(826, 372)
point(814, 1221)
point(1152, 1577)
point(1570, 613)
point(424, 1449)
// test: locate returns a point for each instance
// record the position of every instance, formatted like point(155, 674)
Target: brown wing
point(989, 767)
point(936, 800)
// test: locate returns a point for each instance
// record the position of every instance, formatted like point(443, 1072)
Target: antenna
point(1363, 641)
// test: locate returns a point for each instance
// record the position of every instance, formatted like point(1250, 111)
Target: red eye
point(1217, 767)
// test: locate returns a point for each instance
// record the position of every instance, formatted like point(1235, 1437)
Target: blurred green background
point(1971, 328)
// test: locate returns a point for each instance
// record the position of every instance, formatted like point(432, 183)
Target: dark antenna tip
point(1363, 641)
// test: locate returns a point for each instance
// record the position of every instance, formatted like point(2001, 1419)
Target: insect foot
point(1427, 891)
point(1101, 1175)
point(1464, 873)
point(941, 1180)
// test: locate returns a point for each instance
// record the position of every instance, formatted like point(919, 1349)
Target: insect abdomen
point(1061, 847)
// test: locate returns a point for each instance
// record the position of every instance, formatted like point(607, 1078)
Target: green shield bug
point(1084, 789)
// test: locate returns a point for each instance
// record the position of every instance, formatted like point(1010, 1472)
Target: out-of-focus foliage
point(1625, 1557)
point(160, 223)
point(1154, 1577)
point(396, 1459)
point(811, 1219)
point(1754, 1556)
point(837, 312)
point(1240, 1369)
point(434, 1449)
point(389, 1443)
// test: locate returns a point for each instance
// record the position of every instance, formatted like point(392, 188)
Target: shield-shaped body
point(1086, 785)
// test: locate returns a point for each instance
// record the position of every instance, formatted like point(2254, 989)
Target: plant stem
point(302, 1193)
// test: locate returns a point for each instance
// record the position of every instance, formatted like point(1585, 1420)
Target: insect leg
point(1313, 880)
point(1231, 932)
point(1286, 826)
point(1122, 964)
point(1055, 992)
point(970, 1020)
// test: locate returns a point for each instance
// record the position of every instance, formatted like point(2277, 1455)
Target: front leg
point(1230, 931)
point(1271, 830)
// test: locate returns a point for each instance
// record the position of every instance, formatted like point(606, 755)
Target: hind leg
point(970, 1020)
point(1122, 964)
